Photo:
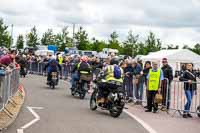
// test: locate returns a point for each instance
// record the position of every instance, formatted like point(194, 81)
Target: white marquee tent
point(175, 57)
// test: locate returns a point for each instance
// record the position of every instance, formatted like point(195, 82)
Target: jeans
point(139, 88)
point(75, 78)
point(65, 72)
point(128, 86)
point(189, 95)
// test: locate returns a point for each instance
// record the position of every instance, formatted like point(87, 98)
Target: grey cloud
point(105, 16)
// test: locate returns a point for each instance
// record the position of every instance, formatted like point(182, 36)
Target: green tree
point(32, 38)
point(5, 38)
point(152, 43)
point(130, 45)
point(113, 42)
point(186, 47)
point(142, 49)
point(196, 48)
point(48, 38)
point(171, 46)
point(82, 39)
point(62, 40)
point(98, 45)
point(20, 42)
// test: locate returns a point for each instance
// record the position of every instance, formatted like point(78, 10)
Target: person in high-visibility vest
point(154, 77)
point(82, 68)
point(113, 72)
point(60, 59)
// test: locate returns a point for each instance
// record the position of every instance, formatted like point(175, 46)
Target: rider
point(113, 72)
point(82, 68)
point(52, 66)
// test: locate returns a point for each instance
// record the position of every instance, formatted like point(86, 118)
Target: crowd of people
point(7, 60)
point(136, 76)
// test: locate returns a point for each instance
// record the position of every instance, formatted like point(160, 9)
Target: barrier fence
point(37, 68)
point(178, 99)
point(8, 86)
point(173, 93)
point(174, 97)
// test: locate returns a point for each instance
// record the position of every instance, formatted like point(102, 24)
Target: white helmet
point(53, 57)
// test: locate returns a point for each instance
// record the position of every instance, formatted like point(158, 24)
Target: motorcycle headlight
point(121, 95)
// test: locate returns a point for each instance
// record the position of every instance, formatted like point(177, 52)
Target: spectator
point(168, 74)
point(154, 77)
point(65, 65)
point(6, 60)
point(128, 80)
point(138, 84)
point(190, 86)
point(147, 67)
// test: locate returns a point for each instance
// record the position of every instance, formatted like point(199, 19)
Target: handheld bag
point(158, 98)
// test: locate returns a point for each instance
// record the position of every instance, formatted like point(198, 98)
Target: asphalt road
point(63, 113)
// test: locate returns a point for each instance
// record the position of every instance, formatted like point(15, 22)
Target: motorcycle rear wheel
point(82, 95)
point(93, 105)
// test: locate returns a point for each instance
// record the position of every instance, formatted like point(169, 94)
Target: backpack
point(117, 72)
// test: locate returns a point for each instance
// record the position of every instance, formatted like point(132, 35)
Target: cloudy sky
point(174, 21)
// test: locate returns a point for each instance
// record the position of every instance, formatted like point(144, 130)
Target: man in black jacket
point(166, 84)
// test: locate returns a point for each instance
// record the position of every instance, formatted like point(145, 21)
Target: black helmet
point(114, 61)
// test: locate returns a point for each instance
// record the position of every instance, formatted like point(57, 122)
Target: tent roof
point(175, 55)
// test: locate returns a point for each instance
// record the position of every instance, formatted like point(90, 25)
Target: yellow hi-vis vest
point(110, 74)
point(82, 72)
point(60, 60)
point(154, 80)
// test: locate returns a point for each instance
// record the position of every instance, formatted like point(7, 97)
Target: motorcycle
point(81, 88)
point(54, 80)
point(114, 99)
point(198, 111)
point(23, 72)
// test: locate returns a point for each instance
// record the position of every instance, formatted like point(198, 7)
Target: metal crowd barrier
point(178, 97)
point(37, 68)
point(139, 91)
point(173, 93)
point(8, 87)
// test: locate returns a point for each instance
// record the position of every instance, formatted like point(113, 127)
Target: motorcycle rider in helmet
point(113, 72)
point(82, 67)
point(52, 66)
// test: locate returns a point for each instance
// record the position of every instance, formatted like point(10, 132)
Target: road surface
point(63, 113)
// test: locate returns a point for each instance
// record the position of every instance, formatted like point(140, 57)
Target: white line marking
point(144, 124)
point(20, 131)
point(37, 118)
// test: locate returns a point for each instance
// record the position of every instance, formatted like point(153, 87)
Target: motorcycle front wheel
point(198, 111)
point(115, 111)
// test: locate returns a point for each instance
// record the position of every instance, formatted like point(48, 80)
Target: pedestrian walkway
point(162, 122)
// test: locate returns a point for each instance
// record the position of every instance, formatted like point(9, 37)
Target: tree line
point(131, 46)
